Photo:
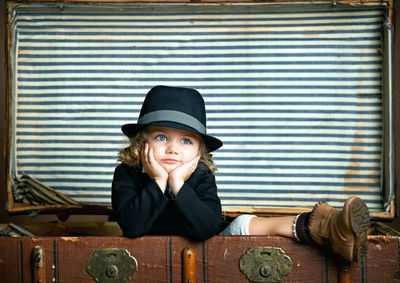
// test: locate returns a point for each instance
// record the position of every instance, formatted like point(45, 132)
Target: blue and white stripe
point(294, 93)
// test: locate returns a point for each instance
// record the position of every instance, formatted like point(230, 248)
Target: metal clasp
point(111, 265)
point(265, 264)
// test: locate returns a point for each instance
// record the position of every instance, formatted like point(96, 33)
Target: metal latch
point(111, 265)
point(38, 265)
point(265, 264)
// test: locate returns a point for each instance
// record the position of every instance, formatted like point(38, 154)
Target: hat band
point(172, 116)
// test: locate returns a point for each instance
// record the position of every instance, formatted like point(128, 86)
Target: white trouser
point(239, 226)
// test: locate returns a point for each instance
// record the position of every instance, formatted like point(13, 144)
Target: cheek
point(156, 150)
point(156, 153)
point(191, 154)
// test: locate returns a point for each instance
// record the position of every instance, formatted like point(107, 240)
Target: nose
point(172, 147)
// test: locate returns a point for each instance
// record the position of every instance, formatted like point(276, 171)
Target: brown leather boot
point(343, 231)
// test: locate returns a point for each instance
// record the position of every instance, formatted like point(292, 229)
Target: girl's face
point(172, 147)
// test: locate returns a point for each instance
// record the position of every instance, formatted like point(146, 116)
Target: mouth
point(170, 161)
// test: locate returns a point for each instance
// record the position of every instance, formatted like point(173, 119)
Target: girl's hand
point(153, 168)
point(179, 175)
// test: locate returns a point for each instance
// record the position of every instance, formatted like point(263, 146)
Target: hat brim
point(132, 129)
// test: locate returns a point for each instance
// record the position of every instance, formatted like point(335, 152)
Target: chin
point(169, 168)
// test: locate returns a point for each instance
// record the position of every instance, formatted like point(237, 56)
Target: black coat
point(141, 208)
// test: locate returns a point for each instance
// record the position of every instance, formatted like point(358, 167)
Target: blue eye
point(161, 138)
point(186, 141)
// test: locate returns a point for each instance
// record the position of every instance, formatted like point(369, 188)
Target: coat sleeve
point(137, 203)
point(200, 207)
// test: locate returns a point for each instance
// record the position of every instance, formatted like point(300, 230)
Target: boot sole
point(360, 220)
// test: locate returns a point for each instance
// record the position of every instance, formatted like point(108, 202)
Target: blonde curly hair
point(131, 155)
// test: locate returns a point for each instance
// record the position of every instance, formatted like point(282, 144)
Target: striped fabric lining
point(295, 93)
point(28, 190)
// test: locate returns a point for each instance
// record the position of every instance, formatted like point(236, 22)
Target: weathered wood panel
point(217, 260)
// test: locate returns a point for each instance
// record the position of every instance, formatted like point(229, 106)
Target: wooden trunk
point(57, 256)
point(159, 259)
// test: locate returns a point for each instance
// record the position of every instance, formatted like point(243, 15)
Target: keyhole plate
point(111, 265)
point(265, 264)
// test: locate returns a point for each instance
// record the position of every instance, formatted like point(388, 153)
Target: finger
point(192, 165)
point(152, 160)
point(145, 153)
point(153, 163)
point(195, 162)
point(148, 153)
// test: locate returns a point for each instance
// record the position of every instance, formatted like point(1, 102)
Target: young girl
point(165, 184)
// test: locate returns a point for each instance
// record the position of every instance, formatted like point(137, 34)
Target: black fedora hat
point(174, 107)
